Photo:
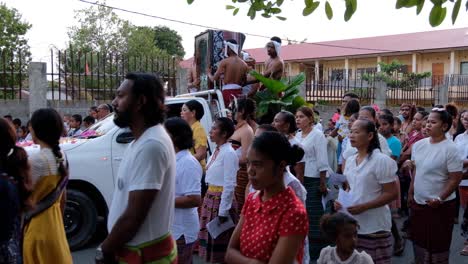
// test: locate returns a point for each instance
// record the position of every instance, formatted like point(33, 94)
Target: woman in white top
point(186, 224)
point(218, 202)
point(437, 169)
point(462, 145)
point(44, 238)
point(314, 144)
point(285, 123)
point(371, 178)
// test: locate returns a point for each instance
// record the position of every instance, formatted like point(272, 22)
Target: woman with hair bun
point(44, 234)
point(15, 185)
point(273, 223)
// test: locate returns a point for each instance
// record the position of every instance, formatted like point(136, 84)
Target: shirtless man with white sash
point(234, 70)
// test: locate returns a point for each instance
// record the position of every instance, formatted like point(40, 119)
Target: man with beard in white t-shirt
point(140, 215)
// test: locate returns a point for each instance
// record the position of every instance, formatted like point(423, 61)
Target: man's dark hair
point(150, 86)
point(277, 39)
point(93, 108)
point(226, 126)
point(267, 127)
point(78, 118)
point(17, 122)
point(180, 131)
point(352, 95)
point(9, 117)
point(89, 119)
point(198, 107)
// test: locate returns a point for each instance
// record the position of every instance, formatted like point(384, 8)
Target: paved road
point(86, 256)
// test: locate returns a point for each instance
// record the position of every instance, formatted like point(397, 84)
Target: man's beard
point(122, 119)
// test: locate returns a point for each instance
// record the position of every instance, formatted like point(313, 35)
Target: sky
point(51, 19)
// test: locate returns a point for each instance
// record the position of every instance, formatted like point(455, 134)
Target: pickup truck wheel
point(80, 219)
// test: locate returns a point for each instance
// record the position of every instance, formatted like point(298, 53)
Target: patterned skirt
point(314, 212)
point(213, 250)
point(241, 183)
point(379, 246)
point(184, 251)
point(431, 232)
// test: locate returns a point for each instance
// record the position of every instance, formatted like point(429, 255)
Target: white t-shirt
point(433, 164)
point(222, 171)
point(350, 150)
point(147, 164)
point(365, 182)
point(315, 152)
point(462, 145)
point(328, 255)
point(188, 176)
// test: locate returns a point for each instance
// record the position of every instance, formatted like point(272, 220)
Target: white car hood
point(66, 144)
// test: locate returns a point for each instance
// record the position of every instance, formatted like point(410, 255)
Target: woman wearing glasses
point(437, 170)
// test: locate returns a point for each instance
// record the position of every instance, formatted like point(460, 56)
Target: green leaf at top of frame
point(309, 10)
point(456, 10)
point(437, 15)
point(351, 7)
point(190, 2)
point(328, 10)
point(419, 6)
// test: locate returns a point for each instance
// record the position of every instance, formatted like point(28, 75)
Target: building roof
point(401, 43)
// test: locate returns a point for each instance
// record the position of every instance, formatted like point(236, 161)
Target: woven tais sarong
point(213, 250)
point(160, 250)
point(431, 232)
point(241, 183)
point(379, 246)
point(314, 212)
point(184, 251)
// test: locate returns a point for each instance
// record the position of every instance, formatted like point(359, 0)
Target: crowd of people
point(73, 125)
point(258, 196)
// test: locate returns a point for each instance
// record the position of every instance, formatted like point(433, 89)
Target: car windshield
point(100, 128)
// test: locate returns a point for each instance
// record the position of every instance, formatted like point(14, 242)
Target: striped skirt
point(379, 246)
point(431, 232)
point(241, 182)
point(213, 250)
point(184, 251)
point(314, 212)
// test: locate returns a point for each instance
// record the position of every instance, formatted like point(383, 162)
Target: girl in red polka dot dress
point(273, 223)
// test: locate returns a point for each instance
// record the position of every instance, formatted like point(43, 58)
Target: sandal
point(399, 251)
point(464, 251)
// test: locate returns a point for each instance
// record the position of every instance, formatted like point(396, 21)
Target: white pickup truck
point(94, 162)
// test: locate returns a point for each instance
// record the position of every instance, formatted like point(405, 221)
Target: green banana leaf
point(273, 86)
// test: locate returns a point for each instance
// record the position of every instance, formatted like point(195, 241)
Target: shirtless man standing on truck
point(274, 65)
point(234, 70)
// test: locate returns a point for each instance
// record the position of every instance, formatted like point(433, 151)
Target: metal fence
point(332, 84)
point(75, 75)
point(458, 89)
point(13, 74)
